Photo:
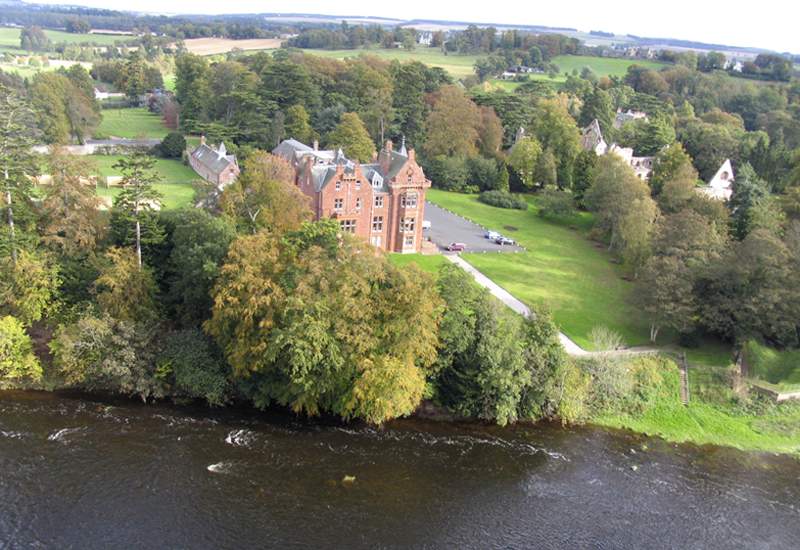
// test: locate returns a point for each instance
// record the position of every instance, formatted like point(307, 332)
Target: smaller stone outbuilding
point(215, 166)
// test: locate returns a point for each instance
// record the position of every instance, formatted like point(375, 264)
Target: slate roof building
point(214, 165)
point(592, 140)
point(382, 202)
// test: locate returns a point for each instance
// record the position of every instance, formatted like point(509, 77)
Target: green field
point(131, 123)
point(602, 66)
point(430, 264)
point(176, 177)
point(9, 38)
point(457, 65)
point(561, 269)
point(780, 370)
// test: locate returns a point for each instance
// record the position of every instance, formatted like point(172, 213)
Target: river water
point(83, 473)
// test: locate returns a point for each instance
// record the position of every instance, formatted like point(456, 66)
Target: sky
point(769, 24)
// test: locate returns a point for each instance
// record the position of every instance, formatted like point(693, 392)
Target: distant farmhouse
point(592, 140)
point(721, 185)
point(382, 202)
point(215, 166)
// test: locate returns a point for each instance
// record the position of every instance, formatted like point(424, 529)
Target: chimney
point(412, 155)
point(388, 146)
point(316, 145)
point(203, 139)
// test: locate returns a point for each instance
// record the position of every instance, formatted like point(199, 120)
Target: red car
point(456, 247)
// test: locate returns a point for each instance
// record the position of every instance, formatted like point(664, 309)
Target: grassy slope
point(776, 430)
point(176, 186)
point(457, 65)
point(131, 123)
point(561, 269)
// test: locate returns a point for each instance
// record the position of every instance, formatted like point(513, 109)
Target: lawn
point(561, 269)
point(601, 66)
point(779, 369)
point(457, 65)
point(429, 264)
point(176, 177)
point(131, 123)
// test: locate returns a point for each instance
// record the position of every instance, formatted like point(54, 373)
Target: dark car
point(456, 247)
point(501, 240)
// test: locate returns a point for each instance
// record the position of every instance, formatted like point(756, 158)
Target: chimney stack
point(316, 145)
point(388, 146)
point(203, 139)
point(412, 155)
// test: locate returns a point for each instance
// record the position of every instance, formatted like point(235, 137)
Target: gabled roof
point(214, 160)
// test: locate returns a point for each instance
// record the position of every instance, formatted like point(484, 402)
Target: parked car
point(456, 247)
point(501, 240)
point(426, 225)
point(492, 235)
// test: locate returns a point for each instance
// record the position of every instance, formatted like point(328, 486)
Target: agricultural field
point(457, 65)
point(9, 38)
point(213, 46)
point(176, 180)
point(130, 123)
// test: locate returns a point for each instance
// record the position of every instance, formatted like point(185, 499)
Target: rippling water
point(89, 474)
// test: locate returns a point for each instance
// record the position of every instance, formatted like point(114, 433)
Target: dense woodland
point(218, 304)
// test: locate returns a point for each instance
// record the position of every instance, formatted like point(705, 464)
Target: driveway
point(447, 228)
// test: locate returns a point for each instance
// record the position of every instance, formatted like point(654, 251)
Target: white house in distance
point(592, 140)
point(721, 185)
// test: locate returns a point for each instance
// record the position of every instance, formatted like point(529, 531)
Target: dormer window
point(377, 181)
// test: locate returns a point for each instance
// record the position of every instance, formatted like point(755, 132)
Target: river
point(85, 473)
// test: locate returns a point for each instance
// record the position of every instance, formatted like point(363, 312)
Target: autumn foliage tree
point(316, 321)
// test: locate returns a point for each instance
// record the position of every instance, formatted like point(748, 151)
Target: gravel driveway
point(447, 228)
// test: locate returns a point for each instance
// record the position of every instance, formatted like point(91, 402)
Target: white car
point(426, 225)
point(492, 235)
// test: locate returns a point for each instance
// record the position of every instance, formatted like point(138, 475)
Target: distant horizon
point(711, 22)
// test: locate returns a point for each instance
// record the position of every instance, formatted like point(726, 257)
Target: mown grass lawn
point(456, 64)
point(602, 66)
point(429, 264)
point(561, 269)
point(176, 180)
point(130, 123)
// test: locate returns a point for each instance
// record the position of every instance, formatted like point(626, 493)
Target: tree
point(614, 189)
point(124, 289)
point(29, 287)
point(297, 124)
point(193, 367)
point(749, 190)
point(490, 133)
point(635, 229)
point(64, 109)
point(137, 202)
point(452, 125)
point(34, 39)
point(546, 172)
point(16, 162)
point(678, 190)
point(556, 130)
point(191, 89)
point(77, 25)
point(17, 360)
point(264, 196)
point(665, 293)
point(200, 242)
point(524, 159)
point(667, 164)
point(597, 105)
point(316, 321)
point(408, 100)
point(352, 137)
point(72, 224)
point(583, 174)
point(172, 146)
point(107, 354)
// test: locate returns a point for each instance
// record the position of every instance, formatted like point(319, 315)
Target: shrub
point(193, 366)
point(449, 173)
point(555, 203)
point(172, 146)
point(17, 361)
point(502, 199)
point(484, 174)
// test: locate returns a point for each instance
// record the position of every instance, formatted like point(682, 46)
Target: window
point(409, 200)
point(408, 241)
point(409, 225)
point(379, 201)
point(338, 205)
point(339, 185)
point(377, 181)
point(358, 185)
point(376, 241)
point(377, 223)
point(348, 226)
point(358, 203)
